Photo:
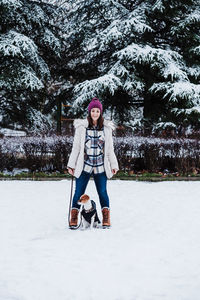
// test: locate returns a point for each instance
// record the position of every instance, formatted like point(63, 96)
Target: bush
point(136, 154)
point(156, 154)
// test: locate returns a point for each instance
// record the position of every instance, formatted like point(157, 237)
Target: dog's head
point(83, 199)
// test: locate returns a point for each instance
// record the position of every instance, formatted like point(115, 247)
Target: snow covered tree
point(140, 57)
point(176, 89)
point(29, 45)
point(96, 30)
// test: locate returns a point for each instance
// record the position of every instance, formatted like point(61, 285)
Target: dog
point(89, 214)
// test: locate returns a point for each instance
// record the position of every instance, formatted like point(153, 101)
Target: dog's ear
point(84, 198)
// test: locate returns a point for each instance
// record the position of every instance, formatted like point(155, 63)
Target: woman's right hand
point(70, 171)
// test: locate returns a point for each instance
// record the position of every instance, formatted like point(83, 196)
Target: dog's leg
point(84, 224)
point(96, 225)
point(96, 221)
point(93, 225)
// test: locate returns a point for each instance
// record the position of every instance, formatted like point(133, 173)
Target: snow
point(151, 252)
point(51, 40)
point(187, 111)
point(119, 69)
point(173, 70)
point(14, 43)
point(135, 23)
point(167, 61)
point(190, 19)
point(18, 45)
point(196, 50)
point(89, 88)
point(195, 70)
point(119, 29)
point(30, 79)
point(111, 33)
point(11, 132)
point(158, 6)
point(165, 125)
point(12, 3)
point(181, 89)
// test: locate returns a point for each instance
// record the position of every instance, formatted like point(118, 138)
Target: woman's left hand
point(114, 171)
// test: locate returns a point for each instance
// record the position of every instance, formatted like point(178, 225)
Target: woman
point(92, 154)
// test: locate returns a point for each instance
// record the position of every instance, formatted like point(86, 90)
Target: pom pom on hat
point(95, 103)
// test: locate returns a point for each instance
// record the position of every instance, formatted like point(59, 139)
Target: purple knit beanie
point(95, 103)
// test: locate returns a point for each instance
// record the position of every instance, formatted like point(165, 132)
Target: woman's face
point(95, 114)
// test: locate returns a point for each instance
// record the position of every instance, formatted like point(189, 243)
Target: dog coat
point(88, 215)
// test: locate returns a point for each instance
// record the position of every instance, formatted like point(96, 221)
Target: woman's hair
point(99, 121)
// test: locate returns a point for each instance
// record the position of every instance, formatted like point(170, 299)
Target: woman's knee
point(102, 192)
point(79, 191)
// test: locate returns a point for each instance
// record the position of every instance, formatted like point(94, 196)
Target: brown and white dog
point(89, 212)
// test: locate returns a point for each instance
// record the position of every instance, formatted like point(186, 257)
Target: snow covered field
point(151, 252)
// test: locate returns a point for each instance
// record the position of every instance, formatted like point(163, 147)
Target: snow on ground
point(151, 252)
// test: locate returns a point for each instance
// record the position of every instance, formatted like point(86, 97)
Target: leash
point(70, 204)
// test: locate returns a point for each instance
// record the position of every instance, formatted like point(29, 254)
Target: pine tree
point(28, 42)
point(178, 84)
point(136, 53)
point(96, 30)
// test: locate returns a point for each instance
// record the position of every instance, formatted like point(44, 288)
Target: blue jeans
point(100, 182)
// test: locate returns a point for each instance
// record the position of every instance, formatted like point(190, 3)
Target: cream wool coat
point(76, 159)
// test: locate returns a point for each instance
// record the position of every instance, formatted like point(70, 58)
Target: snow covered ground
point(151, 252)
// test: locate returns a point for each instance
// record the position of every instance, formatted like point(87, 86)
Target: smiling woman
point(92, 154)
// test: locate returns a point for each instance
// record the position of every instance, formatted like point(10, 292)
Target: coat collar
point(84, 123)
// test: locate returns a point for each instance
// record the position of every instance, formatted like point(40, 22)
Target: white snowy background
point(151, 252)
